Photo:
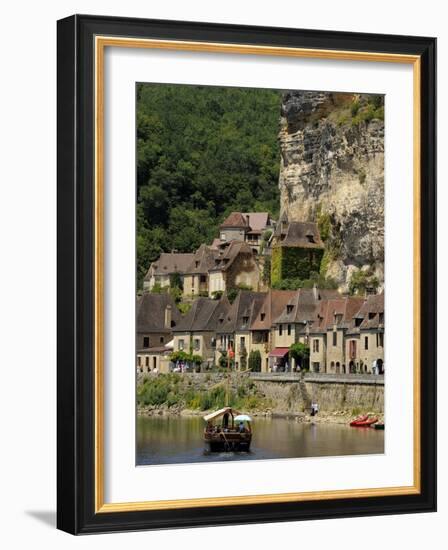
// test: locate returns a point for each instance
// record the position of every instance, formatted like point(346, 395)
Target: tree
point(255, 361)
point(189, 138)
point(301, 353)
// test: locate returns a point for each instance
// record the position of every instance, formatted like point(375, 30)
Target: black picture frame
point(76, 264)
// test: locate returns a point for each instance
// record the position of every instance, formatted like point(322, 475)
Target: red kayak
point(363, 421)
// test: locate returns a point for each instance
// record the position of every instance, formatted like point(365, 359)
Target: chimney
point(168, 316)
point(247, 220)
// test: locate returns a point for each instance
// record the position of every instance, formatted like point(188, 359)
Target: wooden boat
point(224, 432)
point(363, 421)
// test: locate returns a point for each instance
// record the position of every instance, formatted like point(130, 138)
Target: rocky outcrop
point(332, 172)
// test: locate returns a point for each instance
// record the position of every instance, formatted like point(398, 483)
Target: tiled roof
point(204, 315)
point(226, 256)
point(236, 220)
point(150, 312)
point(169, 263)
point(298, 234)
point(336, 312)
point(241, 313)
point(203, 260)
point(372, 312)
point(258, 221)
point(270, 308)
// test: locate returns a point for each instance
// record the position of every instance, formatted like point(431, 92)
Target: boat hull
point(221, 443)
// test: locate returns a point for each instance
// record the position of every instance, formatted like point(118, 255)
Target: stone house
point(365, 337)
point(294, 322)
point(168, 264)
point(247, 227)
point(262, 336)
point(196, 332)
point(156, 317)
point(297, 250)
point(328, 332)
point(197, 274)
point(234, 265)
point(235, 333)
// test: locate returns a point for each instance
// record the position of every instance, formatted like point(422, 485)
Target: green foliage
point(158, 289)
point(293, 263)
point(354, 109)
point(217, 294)
point(176, 280)
point(255, 361)
point(324, 225)
point(288, 284)
point(201, 153)
point(232, 293)
point(184, 307)
point(299, 350)
point(266, 275)
point(186, 357)
point(361, 280)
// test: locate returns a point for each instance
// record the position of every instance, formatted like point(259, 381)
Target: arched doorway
point(351, 367)
point(343, 369)
point(332, 366)
point(380, 366)
point(338, 368)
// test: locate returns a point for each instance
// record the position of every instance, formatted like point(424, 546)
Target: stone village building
point(345, 334)
point(196, 332)
point(161, 271)
point(156, 316)
point(297, 250)
point(230, 261)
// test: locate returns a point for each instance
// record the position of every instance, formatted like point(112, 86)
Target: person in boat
point(241, 428)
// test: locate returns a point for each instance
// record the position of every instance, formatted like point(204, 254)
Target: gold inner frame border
point(101, 42)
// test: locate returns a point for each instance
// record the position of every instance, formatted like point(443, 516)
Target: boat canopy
point(219, 413)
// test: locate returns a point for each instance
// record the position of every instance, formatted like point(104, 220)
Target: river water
point(173, 440)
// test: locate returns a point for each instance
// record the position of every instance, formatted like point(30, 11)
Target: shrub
point(255, 361)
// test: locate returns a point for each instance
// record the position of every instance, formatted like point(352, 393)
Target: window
point(380, 340)
point(162, 339)
point(289, 330)
point(245, 320)
point(203, 279)
point(223, 236)
point(262, 316)
point(181, 344)
point(197, 344)
point(146, 341)
point(316, 346)
point(335, 338)
point(265, 337)
point(381, 318)
point(358, 321)
point(196, 263)
point(338, 318)
point(242, 341)
point(280, 330)
point(147, 361)
point(366, 342)
point(371, 314)
point(139, 360)
point(289, 308)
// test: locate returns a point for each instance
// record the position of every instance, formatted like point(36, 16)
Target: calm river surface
point(171, 440)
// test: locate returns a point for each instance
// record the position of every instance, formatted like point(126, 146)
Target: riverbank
point(195, 395)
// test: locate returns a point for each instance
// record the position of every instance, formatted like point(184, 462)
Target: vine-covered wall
point(291, 263)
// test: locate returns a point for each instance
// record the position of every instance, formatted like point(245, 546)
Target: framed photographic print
point(237, 209)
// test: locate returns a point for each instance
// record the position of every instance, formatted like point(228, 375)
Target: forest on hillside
point(202, 152)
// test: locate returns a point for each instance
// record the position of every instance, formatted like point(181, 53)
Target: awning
point(279, 352)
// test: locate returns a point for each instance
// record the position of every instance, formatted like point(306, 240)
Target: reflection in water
point(170, 440)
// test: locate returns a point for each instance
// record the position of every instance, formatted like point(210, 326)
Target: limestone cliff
point(332, 172)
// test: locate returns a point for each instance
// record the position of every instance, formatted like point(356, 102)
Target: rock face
point(332, 172)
